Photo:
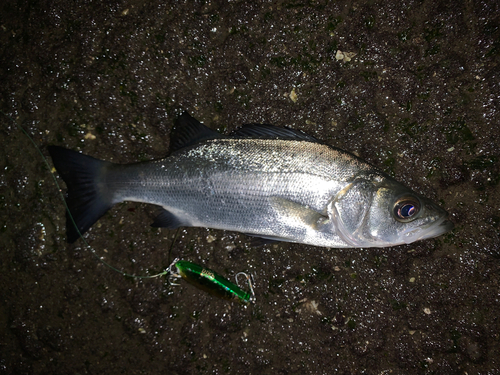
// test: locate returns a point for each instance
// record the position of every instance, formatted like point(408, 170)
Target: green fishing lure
point(211, 282)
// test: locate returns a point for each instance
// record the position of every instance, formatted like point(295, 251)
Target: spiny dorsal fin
point(188, 131)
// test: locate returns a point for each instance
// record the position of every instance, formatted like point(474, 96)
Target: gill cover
point(350, 208)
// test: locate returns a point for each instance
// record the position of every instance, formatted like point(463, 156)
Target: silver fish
point(268, 182)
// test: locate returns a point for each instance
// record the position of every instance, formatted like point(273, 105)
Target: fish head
point(377, 211)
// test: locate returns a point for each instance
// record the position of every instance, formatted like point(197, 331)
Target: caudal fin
point(87, 200)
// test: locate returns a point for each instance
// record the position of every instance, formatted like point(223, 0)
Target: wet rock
point(134, 326)
point(27, 338)
point(407, 352)
point(447, 365)
point(472, 348)
point(240, 75)
point(52, 337)
point(124, 72)
point(436, 343)
point(237, 253)
point(106, 304)
point(72, 291)
point(144, 301)
point(159, 322)
point(453, 175)
point(367, 341)
point(227, 322)
point(28, 247)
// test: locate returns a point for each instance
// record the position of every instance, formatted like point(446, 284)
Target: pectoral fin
point(290, 210)
point(296, 214)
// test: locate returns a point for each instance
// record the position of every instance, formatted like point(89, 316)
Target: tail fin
point(85, 198)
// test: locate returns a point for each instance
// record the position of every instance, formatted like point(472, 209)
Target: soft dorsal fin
point(271, 131)
point(188, 131)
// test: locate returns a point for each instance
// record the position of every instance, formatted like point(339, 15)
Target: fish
point(271, 183)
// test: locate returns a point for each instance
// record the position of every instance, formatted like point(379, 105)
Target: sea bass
point(274, 183)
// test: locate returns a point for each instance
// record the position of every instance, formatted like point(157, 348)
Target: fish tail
point(87, 198)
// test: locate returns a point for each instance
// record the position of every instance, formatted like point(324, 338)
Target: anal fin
point(168, 220)
point(258, 241)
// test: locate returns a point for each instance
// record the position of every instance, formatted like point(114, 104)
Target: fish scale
point(226, 184)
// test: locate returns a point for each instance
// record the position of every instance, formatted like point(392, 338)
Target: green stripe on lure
point(211, 282)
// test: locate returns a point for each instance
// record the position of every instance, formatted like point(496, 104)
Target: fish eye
point(406, 209)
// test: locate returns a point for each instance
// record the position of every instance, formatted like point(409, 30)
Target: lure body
point(211, 282)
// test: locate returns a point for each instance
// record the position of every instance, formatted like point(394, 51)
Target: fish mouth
point(436, 229)
point(439, 228)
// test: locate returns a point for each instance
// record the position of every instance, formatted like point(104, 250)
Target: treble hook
point(250, 285)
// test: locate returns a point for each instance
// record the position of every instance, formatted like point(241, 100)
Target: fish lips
point(435, 229)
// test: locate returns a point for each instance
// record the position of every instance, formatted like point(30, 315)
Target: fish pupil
point(407, 210)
